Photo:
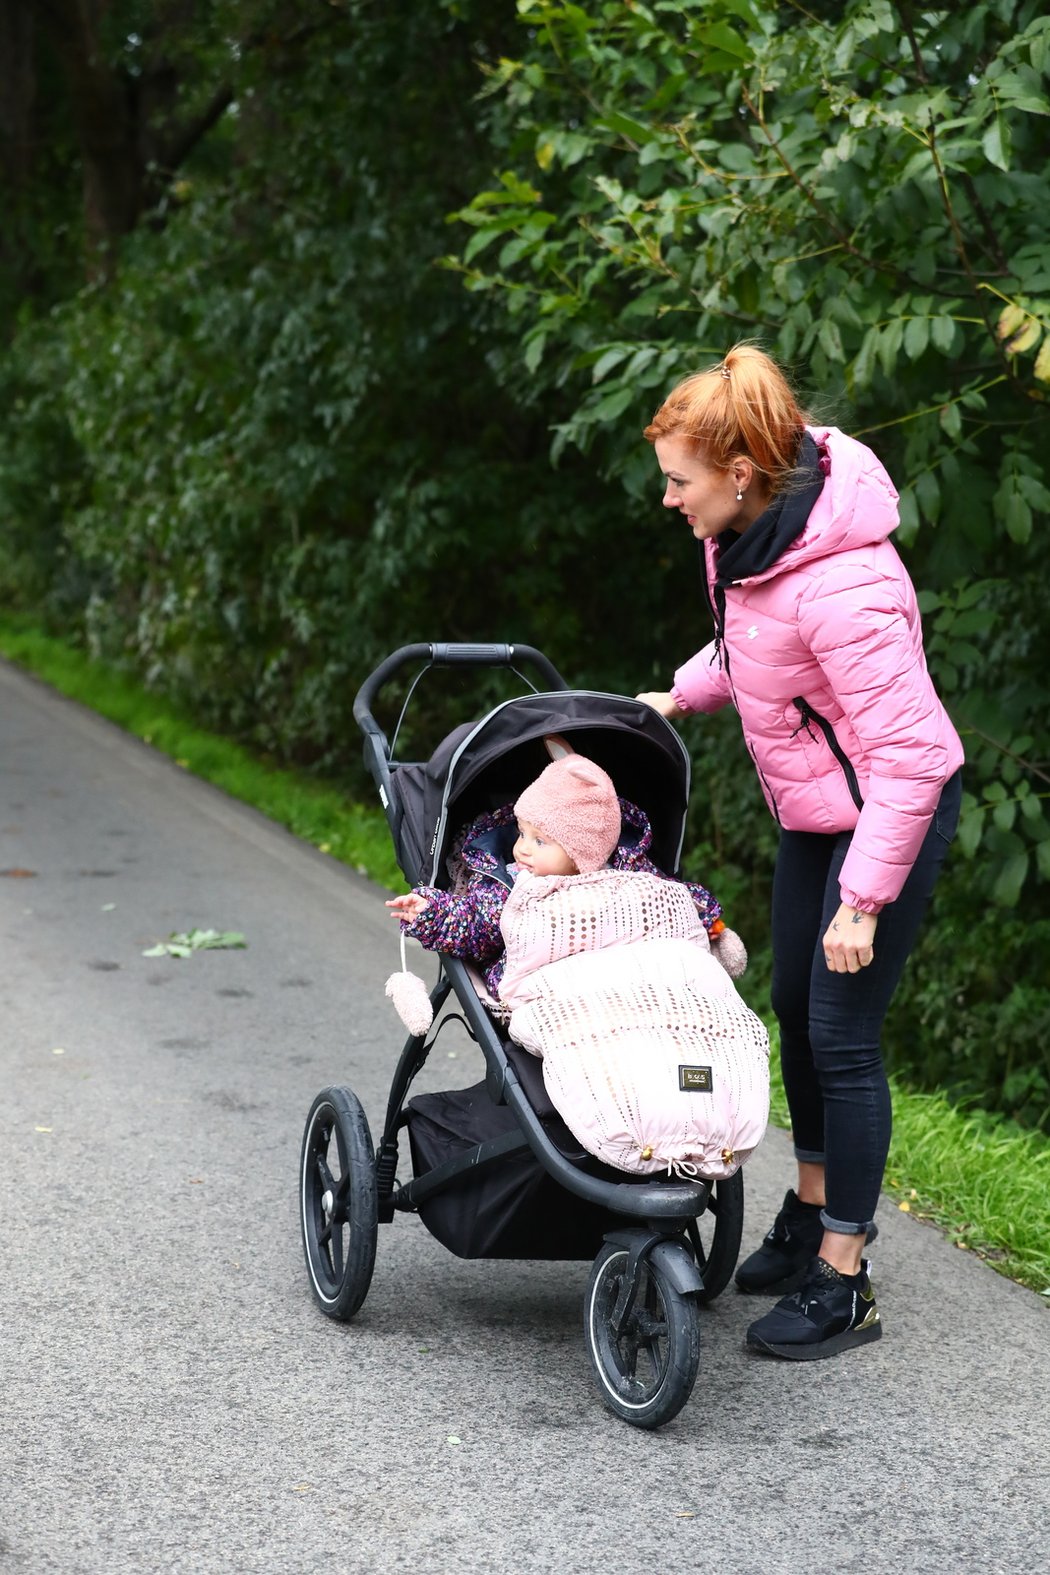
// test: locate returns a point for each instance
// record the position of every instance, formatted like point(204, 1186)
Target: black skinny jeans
point(830, 1023)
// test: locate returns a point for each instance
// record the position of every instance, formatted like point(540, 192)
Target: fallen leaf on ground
point(43, 1129)
point(19, 874)
point(185, 943)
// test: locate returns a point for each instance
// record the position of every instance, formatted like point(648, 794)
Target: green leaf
point(633, 130)
point(610, 358)
point(916, 337)
point(1017, 517)
point(184, 944)
point(1011, 878)
point(534, 351)
point(830, 338)
point(942, 332)
point(971, 829)
point(889, 344)
point(995, 144)
point(1004, 815)
point(950, 418)
point(719, 35)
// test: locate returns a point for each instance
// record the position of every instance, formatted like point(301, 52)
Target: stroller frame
point(654, 1267)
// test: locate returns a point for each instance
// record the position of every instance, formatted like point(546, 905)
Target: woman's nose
point(671, 499)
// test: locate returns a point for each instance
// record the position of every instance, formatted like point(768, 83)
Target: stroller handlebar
point(447, 655)
point(377, 749)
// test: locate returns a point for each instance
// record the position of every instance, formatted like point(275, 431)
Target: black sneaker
point(829, 1313)
point(789, 1248)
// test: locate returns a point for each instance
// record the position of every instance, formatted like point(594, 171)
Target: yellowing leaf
point(1025, 339)
point(1010, 319)
point(1042, 361)
point(905, 1207)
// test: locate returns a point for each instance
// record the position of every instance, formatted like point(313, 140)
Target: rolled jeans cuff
point(809, 1156)
point(844, 1227)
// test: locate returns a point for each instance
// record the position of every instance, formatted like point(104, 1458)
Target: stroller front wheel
point(339, 1211)
point(647, 1367)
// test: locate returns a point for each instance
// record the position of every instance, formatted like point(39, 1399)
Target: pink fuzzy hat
point(574, 803)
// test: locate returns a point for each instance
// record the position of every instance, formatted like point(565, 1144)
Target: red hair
point(744, 405)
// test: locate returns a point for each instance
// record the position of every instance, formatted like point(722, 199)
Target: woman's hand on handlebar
point(662, 701)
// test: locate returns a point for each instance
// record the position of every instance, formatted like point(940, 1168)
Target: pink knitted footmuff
point(649, 1054)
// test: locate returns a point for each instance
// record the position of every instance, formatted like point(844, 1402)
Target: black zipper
point(717, 604)
point(808, 715)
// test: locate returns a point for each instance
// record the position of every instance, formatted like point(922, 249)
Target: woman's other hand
point(662, 701)
point(848, 940)
point(408, 907)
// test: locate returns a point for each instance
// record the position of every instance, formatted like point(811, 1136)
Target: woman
point(818, 644)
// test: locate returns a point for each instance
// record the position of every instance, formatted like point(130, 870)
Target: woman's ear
point(742, 472)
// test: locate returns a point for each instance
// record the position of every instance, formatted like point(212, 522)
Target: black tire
point(647, 1373)
point(338, 1209)
point(715, 1237)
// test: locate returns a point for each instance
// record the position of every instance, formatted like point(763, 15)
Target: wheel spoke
point(627, 1350)
point(335, 1248)
point(328, 1183)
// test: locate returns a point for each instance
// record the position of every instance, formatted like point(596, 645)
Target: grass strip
point(983, 1181)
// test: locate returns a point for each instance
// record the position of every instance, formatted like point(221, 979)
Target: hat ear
point(557, 747)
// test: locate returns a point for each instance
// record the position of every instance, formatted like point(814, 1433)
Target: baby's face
point(539, 855)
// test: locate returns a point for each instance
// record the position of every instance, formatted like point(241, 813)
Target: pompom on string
point(411, 997)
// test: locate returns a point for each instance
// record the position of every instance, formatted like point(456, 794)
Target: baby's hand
point(409, 907)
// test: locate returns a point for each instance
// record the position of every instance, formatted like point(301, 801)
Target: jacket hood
point(856, 507)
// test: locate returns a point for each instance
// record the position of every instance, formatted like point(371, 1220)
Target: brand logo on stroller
point(695, 1079)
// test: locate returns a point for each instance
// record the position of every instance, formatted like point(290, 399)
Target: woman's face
point(707, 496)
point(539, 855)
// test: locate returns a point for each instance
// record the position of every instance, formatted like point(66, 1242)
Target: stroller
point(495, 1171)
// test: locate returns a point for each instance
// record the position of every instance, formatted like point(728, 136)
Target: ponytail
point(744, 405)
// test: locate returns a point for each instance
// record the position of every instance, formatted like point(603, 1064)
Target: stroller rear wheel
point(715, 1236)
point(338, 1206)
point(646, 1369)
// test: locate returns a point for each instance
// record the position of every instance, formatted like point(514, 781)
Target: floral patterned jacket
point(465, 921)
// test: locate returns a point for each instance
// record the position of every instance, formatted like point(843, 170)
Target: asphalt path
point(172, 1400)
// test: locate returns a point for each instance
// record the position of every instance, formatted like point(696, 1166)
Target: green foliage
point(860, 188)
point(281, 442)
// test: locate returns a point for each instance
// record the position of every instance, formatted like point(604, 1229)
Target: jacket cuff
point(679, 699)
point(862, 904)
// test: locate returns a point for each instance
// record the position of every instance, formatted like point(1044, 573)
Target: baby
point(569, 822)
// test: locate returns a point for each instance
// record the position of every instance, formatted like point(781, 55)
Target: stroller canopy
point(483, 765)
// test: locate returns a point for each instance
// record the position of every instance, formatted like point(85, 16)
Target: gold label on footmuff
point(694, 1079)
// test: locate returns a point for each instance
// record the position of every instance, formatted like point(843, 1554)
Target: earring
point(739, 495)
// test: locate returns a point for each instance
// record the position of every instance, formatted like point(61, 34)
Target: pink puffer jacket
point(822, 656)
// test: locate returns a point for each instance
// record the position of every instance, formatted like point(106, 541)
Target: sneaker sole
point(820, 1348)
